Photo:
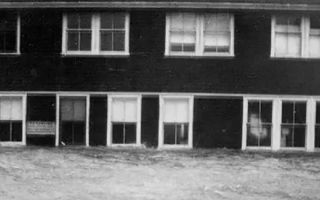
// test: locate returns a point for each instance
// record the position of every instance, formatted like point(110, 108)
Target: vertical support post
point(57, 120)
point(311, 119)
point(191, 105)
point(138, 138)
point(244, 123)
point(24, 119)
point(277, 115)
point(160, 128)
point(87, 119)
point(109, 121)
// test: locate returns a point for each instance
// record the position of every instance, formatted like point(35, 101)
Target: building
point(241, 74)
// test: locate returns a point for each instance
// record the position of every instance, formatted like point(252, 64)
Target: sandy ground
point(36, 173)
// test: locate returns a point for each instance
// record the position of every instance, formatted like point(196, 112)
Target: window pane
point(80, 110)
point(118, 110)
point(189, 47)
point(119, 38)
point(119, 20)
point(300, 113)
point(79, 133)
point(182, 133)
point(67, 110)
point(287, 112)
point(73, 21)
point(85, 21)
point(176, 21)
point(216, 42)
point(253, 112)
point(17, 131)
point(117, 133)
point(318, 113)
point(314, 45)
point(5, 108)
point(176, 110)
point(4, 131)
point(106, 41)
point(16, 108)
point(169, 113)
point(130, 133)
point(292, 136)
point(189, 22)
point(85, 41)
point(106, 21)
point(217, 22)
point(259, 135)
point(294, 44)
point(266, 112)
point(131, 110)
point(73, 39)
point(280, 44)
point(169, 134)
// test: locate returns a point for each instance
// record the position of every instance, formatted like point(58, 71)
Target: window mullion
point(199, 34)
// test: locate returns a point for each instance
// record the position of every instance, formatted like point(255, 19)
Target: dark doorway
point(98, 120)
point(41, 120)
point(217, 123)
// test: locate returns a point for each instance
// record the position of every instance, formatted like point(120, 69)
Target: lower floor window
point(259, 123)
point(124, 120)
point(176, 133)
point(11, 119)
point(176, 121)
point(293, 124)
point(124, 133)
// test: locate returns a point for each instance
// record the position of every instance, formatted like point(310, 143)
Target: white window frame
point(18, 32)
point(162, 99)
point(199, 45)
point(95, 37)
point(305, 33)
point(277, 122)
point(66, 95)
point(109, 121)
point(24, 126)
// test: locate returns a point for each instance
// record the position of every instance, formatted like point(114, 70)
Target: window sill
point(125, 146)
point(294, 58)
point(10, 54)
point(292, 149)
point(11, 144)
point(95, 54)
point(215, 56)
point(167, 146)
point(258, 148)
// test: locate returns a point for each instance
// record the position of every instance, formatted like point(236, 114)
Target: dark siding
point(41, 67)
point(98, 121)
point(149, 121)
point(217, 123)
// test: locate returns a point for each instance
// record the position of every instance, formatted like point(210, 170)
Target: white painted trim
point(57, 139)
point(276, 115)
point(95, 38)
point(86, 96)
point(244, 123)
point(162, 99)
point(273, 39)
point(24, 119)
point(310, 134)
point(11, 144)
point(138, 122)
point(87, 119)
point(199, 45)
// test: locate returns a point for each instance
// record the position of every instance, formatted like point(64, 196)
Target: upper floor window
point(193, 34)
point(295, 37)
point(96, 33)
point(9, 33)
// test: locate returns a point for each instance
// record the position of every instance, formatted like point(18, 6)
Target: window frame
point(199, 41)
point(95, 37)
point(24, 126)
point(109, 120)
point(305, 38)
point(18, 37)
point(162, 99)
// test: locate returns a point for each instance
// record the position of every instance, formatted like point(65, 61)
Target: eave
point(164, 5)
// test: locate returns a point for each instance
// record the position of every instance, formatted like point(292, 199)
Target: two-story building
point(241, 74)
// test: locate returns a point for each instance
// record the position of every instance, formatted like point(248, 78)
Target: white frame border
point(95, 38)
point(162, 98)
point(58, 98)
point(109, 121)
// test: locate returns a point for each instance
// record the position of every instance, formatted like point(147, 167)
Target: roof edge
point(172, 4)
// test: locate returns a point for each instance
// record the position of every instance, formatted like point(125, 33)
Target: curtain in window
point(124, 110)
point(176, 110)
point(10, 108)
